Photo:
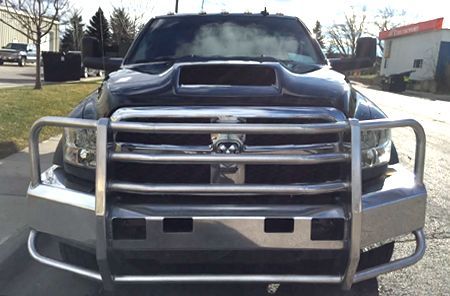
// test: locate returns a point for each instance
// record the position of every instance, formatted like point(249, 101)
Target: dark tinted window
point(225, 36)
point(418, 63)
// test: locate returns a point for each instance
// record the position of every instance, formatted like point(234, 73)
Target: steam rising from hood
point(229, 39)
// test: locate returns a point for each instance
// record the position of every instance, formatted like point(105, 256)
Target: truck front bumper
point(396, 209)
point(8, 57)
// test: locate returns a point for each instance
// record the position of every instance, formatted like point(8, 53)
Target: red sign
point(412, 29)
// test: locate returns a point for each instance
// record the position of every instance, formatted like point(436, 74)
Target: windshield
point(16, 46)
point(246, 37)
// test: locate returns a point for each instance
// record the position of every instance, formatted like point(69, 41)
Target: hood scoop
point(227, 75)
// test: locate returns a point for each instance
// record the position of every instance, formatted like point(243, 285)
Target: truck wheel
point(1, 62)
point(22, 61)
point(77, 256)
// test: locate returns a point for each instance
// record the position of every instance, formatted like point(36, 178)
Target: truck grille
point(280, 149)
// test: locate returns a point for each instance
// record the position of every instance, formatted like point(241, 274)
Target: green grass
point(21, 106)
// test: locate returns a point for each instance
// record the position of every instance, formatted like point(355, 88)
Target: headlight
point(79, 147)
point(375, 147)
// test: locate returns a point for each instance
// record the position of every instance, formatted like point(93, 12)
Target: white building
point(50, 42)
point(423, 48)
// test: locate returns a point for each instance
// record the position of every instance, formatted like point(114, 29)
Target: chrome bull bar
point(105, 126)
point(235, 278)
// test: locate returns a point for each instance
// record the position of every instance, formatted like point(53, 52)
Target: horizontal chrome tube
point(309, 189)
point(63, 122)
point(234, 278)
point(248, 128)
point(319, 148)
point(233, 158)
point(291, 112)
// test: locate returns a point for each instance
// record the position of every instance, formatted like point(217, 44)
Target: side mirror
point(365, 56)
point(93, 57)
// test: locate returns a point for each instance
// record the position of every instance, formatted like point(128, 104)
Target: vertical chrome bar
point(356, 207)
point(419, 162)
point(100, 173)
point(33, 144)
point(100, 203)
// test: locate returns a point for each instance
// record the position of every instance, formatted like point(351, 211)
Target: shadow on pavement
point(7, 148)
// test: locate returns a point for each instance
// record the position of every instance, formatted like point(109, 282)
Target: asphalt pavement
point(430, 276)
point(12, 75)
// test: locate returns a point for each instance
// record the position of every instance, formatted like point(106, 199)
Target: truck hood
point(222, 83)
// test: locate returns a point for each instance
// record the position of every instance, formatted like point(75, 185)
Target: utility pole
point(176, 6)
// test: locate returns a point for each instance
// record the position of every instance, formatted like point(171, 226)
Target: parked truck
point(19, 53)
point(225, 148)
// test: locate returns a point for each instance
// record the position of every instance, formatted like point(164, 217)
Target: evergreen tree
point(318, 34)
point(73, 34)
point(123, 30)
point(99, 28)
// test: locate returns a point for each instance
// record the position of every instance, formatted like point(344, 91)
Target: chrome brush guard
point(355, 239)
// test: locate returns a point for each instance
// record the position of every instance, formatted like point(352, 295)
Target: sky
point(327, 12)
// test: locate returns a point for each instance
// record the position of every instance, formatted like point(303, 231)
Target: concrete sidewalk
point(14, 180)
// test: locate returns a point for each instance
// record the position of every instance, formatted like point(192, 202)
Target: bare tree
point(36, 18)
point(386, 19)
point(343, 37)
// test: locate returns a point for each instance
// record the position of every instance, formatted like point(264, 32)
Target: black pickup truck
point(226, 148)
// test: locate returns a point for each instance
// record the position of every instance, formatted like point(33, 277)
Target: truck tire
point(366, 288)
point(77, 256)
point(1, 62)
point(22, 61)
point(376, 256)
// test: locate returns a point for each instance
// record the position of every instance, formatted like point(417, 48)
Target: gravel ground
point(431, 276)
